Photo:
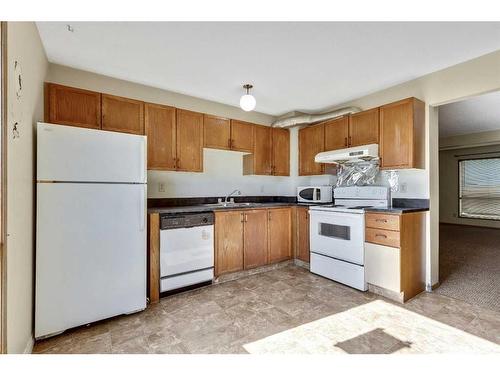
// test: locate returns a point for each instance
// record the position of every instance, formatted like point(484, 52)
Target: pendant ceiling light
point(247, 101)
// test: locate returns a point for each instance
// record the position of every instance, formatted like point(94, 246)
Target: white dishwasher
point(186, 249)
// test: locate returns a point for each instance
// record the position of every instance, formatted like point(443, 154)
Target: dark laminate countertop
point(397, 210)
point(193, 205)
point(212, 208)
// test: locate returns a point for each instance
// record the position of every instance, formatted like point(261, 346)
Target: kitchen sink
point(231, 205)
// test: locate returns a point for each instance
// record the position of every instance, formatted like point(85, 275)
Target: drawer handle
point(381, 235)
point(381, 220)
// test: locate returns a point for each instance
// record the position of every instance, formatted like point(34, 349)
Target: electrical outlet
point(403, 187)
point(161, 187)
point(262, 188)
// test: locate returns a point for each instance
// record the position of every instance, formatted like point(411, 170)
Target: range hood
point(366, 152)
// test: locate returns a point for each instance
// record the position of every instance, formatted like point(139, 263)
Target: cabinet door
point(217, 132)
point(189, 141)
point(228, 242)
point(280, 239)
point(311, 142)
point(303, 233)
point(280, 152)
point(364, 128)
point(242, 136)
point(255, 238)
point(122, 114)
point(159, 122)
point(71, 106)
point(396, 134)
point(382, 266)
point(336, 133)
point(262, 150)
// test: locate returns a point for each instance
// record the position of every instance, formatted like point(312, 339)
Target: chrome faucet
point(234, 192)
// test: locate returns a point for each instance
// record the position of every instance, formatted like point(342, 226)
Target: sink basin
point(229, 205)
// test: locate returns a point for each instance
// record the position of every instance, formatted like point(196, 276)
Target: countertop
point(212, 208)
point(397, 210)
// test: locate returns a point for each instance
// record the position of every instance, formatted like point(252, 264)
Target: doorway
point(469, 200)
point(3, 184)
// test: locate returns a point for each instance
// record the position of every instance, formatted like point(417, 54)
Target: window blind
point(479, 195)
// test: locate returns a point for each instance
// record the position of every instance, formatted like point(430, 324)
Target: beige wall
point(464, 80)
point(222, 169)
point(24, 46)
point(470, 140)
point(448, 188)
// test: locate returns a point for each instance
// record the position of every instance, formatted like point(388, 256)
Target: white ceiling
point(474, 115)
point(293, 66)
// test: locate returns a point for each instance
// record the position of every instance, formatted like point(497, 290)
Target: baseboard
point(468, 225)
point(29, 346)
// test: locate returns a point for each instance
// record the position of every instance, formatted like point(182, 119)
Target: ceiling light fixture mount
point(247, 101)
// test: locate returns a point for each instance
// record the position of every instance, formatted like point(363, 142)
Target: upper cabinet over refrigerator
point(109, 156)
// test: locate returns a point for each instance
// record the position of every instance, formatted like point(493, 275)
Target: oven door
point(338, 235)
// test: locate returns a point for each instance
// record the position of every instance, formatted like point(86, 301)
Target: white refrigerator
point(90, 226)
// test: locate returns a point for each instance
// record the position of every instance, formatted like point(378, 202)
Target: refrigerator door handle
point(141, 210)
point(143, 169)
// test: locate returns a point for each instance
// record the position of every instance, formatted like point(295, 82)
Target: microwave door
point(307, 194)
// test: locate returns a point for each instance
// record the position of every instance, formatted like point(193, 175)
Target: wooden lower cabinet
point(247, 239)
point(395, 253)
point(255, 237)
point(302, 234)
point(228, 241)
point(280, 234)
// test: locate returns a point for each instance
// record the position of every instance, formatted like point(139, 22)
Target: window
point(479, 190)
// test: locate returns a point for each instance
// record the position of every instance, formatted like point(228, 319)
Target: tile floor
point(288, 310)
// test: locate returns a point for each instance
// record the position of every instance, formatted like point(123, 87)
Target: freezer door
point(68, 153)
point(90, 253)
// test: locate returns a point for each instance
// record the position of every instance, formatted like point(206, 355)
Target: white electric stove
point(337, 233)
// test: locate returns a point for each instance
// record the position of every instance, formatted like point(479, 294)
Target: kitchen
point(228, 217)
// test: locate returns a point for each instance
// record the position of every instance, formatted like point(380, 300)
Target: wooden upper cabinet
point(336, 133)
point(364, 128)
point(259, 162)
point(122, 114)
point(302, 220)
point(189, 141)
point(280, 152)
point(71, 106)
point(402, 134)
point(217, 132)
point(280, 230)
point(255, 238)
point(159, 122)
point(228, 241)
point(311, 142)
point(242, 136)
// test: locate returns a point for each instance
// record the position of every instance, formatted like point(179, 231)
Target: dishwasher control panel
point(185, 220)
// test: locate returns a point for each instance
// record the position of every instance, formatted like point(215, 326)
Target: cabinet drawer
point(382, 237)
point(382, 221)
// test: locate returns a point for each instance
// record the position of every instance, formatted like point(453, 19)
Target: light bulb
point(247, 102)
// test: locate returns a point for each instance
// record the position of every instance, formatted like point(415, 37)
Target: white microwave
point(314, 194)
